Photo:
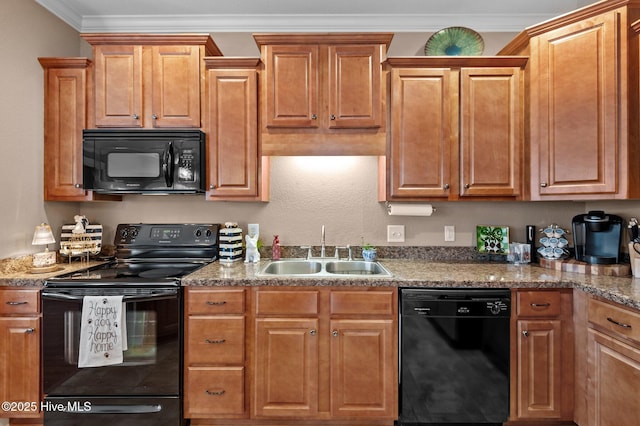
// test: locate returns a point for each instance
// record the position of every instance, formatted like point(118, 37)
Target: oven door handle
point(138, 298)
point(119, 409)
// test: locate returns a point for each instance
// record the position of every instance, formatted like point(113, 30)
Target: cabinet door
point(423, 126)
point(539, 369)
point(292, 86)
point(490, 132)
point(232, 131)
point(65, 117)
point(614, 378)
point(20, 364)
point(363, 365)
point(354, 86)
point(175, 86)
point(118, 86)
point(575, 114)
point(286, 367)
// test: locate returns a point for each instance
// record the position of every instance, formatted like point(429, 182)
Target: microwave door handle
point(167, 165)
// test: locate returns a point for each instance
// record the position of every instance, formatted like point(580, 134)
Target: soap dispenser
point(275, 248)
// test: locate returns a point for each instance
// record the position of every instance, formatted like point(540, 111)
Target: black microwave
point(143, 161)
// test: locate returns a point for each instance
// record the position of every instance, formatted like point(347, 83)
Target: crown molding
point(295, 22)
point(64, 12)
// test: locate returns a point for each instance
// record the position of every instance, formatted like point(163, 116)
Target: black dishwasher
point(454, 356)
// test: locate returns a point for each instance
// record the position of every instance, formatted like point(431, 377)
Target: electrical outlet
point(449, 233)
point(395, 233)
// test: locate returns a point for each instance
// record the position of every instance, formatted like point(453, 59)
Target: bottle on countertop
point(275, 248)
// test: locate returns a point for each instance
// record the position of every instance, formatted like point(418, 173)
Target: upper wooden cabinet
point(236, 170)
point(147, 80)
point(65, 115)
point(456, 128)
point(582, 141)
point(323, 93)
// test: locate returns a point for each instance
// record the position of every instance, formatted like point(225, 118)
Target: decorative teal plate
point(492, 239)
point(454, 41)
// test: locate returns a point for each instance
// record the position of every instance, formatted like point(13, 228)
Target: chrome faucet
point(322, 245)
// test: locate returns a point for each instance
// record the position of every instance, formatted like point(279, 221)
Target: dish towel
point(102, 331)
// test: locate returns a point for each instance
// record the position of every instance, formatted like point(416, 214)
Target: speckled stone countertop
point(21, 277)
point(421, 273)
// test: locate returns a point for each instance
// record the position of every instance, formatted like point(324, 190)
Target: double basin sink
point(323, 268)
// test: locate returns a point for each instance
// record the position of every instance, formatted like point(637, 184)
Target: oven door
point(152, 361)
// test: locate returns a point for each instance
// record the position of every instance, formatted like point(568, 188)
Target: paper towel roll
point(410, 209)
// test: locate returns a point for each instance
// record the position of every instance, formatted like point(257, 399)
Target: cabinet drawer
point(282, 302)
point(214, 302)
point(362, 302)
point(19, 301)
point(538, 303)
point(215, 340)
point(618, 320)
point(214, 391)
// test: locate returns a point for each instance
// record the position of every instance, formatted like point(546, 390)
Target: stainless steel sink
point(323, 268)
point(292, 267)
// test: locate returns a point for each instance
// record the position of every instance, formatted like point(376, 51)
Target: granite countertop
point(420, 273)
point(406, 273)
point(20, 276)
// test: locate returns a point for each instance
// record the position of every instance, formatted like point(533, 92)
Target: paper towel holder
point(412, 209)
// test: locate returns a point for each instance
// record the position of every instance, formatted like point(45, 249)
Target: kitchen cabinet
point(456, 129)
point(20, 352)
point(325, 354)
point(65, 115)
point(322, 94)
point(613, 374)
point(583, 135)
point(542, 355)
point(215, 356)
point(236, 169)
point(148, 80)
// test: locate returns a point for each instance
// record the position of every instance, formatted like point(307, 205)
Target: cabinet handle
point(30, 330)
point(215, 393)
point(446, 186)
point(314, 117)
point(313, 332)
point(222, 302)
point(467, 186)
point(16, 303)
point(135, 116)
point(525, 333)
point(212, 186)
point(619, 324)
point(154, 116)
point(77, 185)
point(215, 342)
point(540, 305)
point(332, 117)
point(334, 333)
point(543, 184)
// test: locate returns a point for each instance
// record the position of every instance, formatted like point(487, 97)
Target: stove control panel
point(166, 234)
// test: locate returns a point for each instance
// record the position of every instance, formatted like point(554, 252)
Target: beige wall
point(339, 193)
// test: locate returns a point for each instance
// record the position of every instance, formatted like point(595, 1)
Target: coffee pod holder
point(554, 243)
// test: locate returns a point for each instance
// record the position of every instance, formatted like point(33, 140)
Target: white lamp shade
point(43, 235)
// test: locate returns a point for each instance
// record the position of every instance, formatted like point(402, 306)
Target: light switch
point(395, 233)
point(449, 233)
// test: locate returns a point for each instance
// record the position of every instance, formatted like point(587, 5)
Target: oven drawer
point(538, 303)
point(213, 302)
point(615, 320)
point(215, 339)
point(214, 391)
point(19, 301)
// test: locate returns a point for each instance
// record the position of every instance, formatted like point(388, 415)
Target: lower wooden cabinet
point(542, 355)
point(613, 360)
point(325, 354)
point(20, 352)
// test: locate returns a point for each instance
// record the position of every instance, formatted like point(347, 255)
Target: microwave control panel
point(186, 170)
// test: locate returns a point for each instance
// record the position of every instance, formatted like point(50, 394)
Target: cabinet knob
point(334, 333)
point(446, 186)
point(313, 332)
point(333, 117)
point(212, 186)
point(154, 116)
point(135, 116)
point(30, 330)
point(525, 333)
point(467, 186)
point(77, 185)
point(314, 117)
point(543, 184)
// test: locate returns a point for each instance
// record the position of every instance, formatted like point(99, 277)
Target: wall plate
point(395, 233)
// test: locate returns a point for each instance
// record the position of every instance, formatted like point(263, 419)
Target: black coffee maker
point(597, 237)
